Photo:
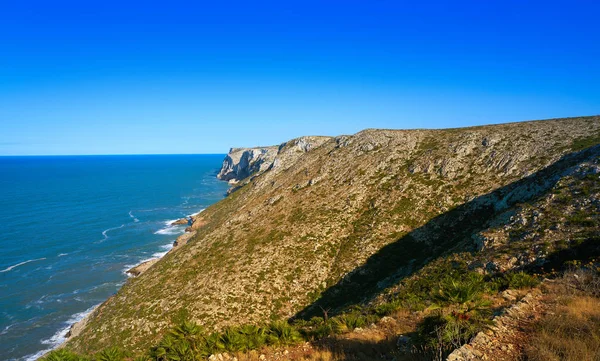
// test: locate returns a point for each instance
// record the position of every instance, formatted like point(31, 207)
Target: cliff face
point(241, 163)
point(335, 221)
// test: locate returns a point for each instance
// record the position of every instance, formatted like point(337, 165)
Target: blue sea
point(70, 227)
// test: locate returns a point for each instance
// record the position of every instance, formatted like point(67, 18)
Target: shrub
point(282, 333)
point(110, 354)
point(254, 337)
point(171, 348)
point(521, 280)
point(232, 340)
point(63, 355)
point(462, 290)
point(440, 334)
point(350, 321)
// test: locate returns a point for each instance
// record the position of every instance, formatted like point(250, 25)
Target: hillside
point(343, 222)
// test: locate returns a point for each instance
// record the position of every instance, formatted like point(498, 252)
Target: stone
point(181, 221)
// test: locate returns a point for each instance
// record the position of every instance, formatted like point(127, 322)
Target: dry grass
point(571, 334)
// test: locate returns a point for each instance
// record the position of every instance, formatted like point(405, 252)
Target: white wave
point(6, 329)
point(127, 267)
point(135, 220)
point(62, 254)
point(197, 213)
point(22, 263)
point(159, 254)
point(170, 231)
point(60, 336)
point(36, 355)
point(105, 232)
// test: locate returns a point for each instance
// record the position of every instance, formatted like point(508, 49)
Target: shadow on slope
point(447, 233)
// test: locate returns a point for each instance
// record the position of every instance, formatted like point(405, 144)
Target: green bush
point(63, 355)
point(521, 280)
point(442, 333)
point(232, 340)
point(171, 348)
point(282, 333)
point(110, 354)
point(254, 337)
point(350, 321)
point(453, 290)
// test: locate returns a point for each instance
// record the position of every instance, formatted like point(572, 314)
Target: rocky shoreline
point(194, 222)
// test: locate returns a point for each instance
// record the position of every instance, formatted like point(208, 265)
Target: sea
point(70, 226)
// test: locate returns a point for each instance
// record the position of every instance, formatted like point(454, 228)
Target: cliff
point(335, 222)
point(241, 163)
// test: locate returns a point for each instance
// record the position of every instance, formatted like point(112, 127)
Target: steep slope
point(350, 217)
point(241, 162)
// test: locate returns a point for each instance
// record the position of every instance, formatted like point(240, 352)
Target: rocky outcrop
point(240, 163)
point(142, 267)
point(182, 221)
point(502, 340)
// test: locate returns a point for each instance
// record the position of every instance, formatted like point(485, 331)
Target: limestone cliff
point(240, 163)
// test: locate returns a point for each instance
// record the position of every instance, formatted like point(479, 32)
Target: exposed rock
point(181, 221)
point(78, 326)
point(486, 345)
point(142, 267)
point(184, 238)
point(242, 162)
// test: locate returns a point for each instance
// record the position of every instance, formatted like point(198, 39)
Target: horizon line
point(102, 155)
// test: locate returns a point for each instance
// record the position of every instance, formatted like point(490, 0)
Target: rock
point(78, 326)
point(509, 295)
point(142, 267)
point(181, 221)
point(184, 238)
point(242, 162)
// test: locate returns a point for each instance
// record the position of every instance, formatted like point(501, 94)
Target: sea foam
point(60, 336)
point(22, 263)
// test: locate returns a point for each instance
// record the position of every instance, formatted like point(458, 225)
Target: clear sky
point(104, 77)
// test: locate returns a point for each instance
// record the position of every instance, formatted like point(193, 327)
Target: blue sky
point(199, 77)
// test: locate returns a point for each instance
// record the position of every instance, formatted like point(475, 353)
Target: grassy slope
point(273, 246)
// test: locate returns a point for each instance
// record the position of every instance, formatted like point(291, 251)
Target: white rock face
point(241, 163)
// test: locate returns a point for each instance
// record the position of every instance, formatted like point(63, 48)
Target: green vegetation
point(585, 142)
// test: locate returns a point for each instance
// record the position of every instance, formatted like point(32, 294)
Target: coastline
point(79, 320)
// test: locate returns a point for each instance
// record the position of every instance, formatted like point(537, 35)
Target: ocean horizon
point(73, 225)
